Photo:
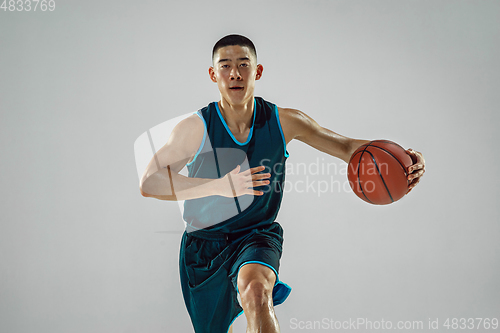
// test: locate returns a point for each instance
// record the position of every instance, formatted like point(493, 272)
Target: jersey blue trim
point(229, 131)
point(281, 131)
point(202, 141)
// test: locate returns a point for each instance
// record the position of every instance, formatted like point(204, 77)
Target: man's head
point(235, 69)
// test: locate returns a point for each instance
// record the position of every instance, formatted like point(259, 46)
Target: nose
point(235, 74)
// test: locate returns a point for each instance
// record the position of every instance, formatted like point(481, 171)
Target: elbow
point(157, 186)
point(143, 193)
point(148, 192)
point(144, 189)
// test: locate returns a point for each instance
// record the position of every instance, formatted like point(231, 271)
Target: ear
point(260, 69)
point(211, 73)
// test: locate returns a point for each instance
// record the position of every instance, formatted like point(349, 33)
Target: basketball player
point(225, 254)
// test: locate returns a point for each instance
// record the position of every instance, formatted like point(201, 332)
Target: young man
point(235, 151)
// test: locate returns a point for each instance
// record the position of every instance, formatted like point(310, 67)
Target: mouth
point(236, 88)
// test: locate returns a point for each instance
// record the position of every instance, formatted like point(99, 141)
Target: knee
point(256, 294)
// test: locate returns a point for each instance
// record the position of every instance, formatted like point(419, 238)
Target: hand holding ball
point(377, 172)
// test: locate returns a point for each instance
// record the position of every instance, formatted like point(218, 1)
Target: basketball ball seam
point(388, 152)
point(381, 177)
point(359, 180)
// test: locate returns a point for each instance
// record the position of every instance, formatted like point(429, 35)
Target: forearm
point(336, 145)
point(168, 185)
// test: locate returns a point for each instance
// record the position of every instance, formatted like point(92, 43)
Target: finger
point(261, 176)
point(410, 151)
point(258, 169)
point(260, 183)
point(258, 193)
point(418, 155)
point(248, 172)
point(415, 167)
point(251, 191)
point(420, 159)
point(416, 174)
point(413, 183)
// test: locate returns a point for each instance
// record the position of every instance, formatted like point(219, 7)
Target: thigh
point(208, 293)
point(258, 258)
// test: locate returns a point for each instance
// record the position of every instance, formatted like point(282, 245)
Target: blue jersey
point(220, 152)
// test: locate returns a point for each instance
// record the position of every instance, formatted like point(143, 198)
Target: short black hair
point(234, 40)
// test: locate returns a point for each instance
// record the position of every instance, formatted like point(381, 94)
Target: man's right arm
point(161, 179)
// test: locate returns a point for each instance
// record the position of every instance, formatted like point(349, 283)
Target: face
point(235, 71)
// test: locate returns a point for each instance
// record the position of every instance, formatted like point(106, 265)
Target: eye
point(244, 65)
point(225, 66)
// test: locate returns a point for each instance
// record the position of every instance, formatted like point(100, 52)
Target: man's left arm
point(298, 125)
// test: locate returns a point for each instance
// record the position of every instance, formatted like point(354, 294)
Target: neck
point(237, 116)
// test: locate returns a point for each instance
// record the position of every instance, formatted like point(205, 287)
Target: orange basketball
point(377, 172)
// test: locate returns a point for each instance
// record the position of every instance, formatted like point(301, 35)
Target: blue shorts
point(209, 263)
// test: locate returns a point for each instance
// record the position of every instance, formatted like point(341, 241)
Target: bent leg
point(255, 284)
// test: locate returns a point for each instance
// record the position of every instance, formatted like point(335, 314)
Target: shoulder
point(190, 125)
point(291, 115)
point(193, 122)
point(181, 146)
point(296, 121)
point(188, 133)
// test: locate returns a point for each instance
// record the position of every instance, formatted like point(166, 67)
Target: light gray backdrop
point(82, 251)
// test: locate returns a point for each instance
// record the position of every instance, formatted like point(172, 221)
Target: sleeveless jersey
point(220, 152)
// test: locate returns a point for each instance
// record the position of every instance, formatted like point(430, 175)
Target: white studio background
point(82, 251)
